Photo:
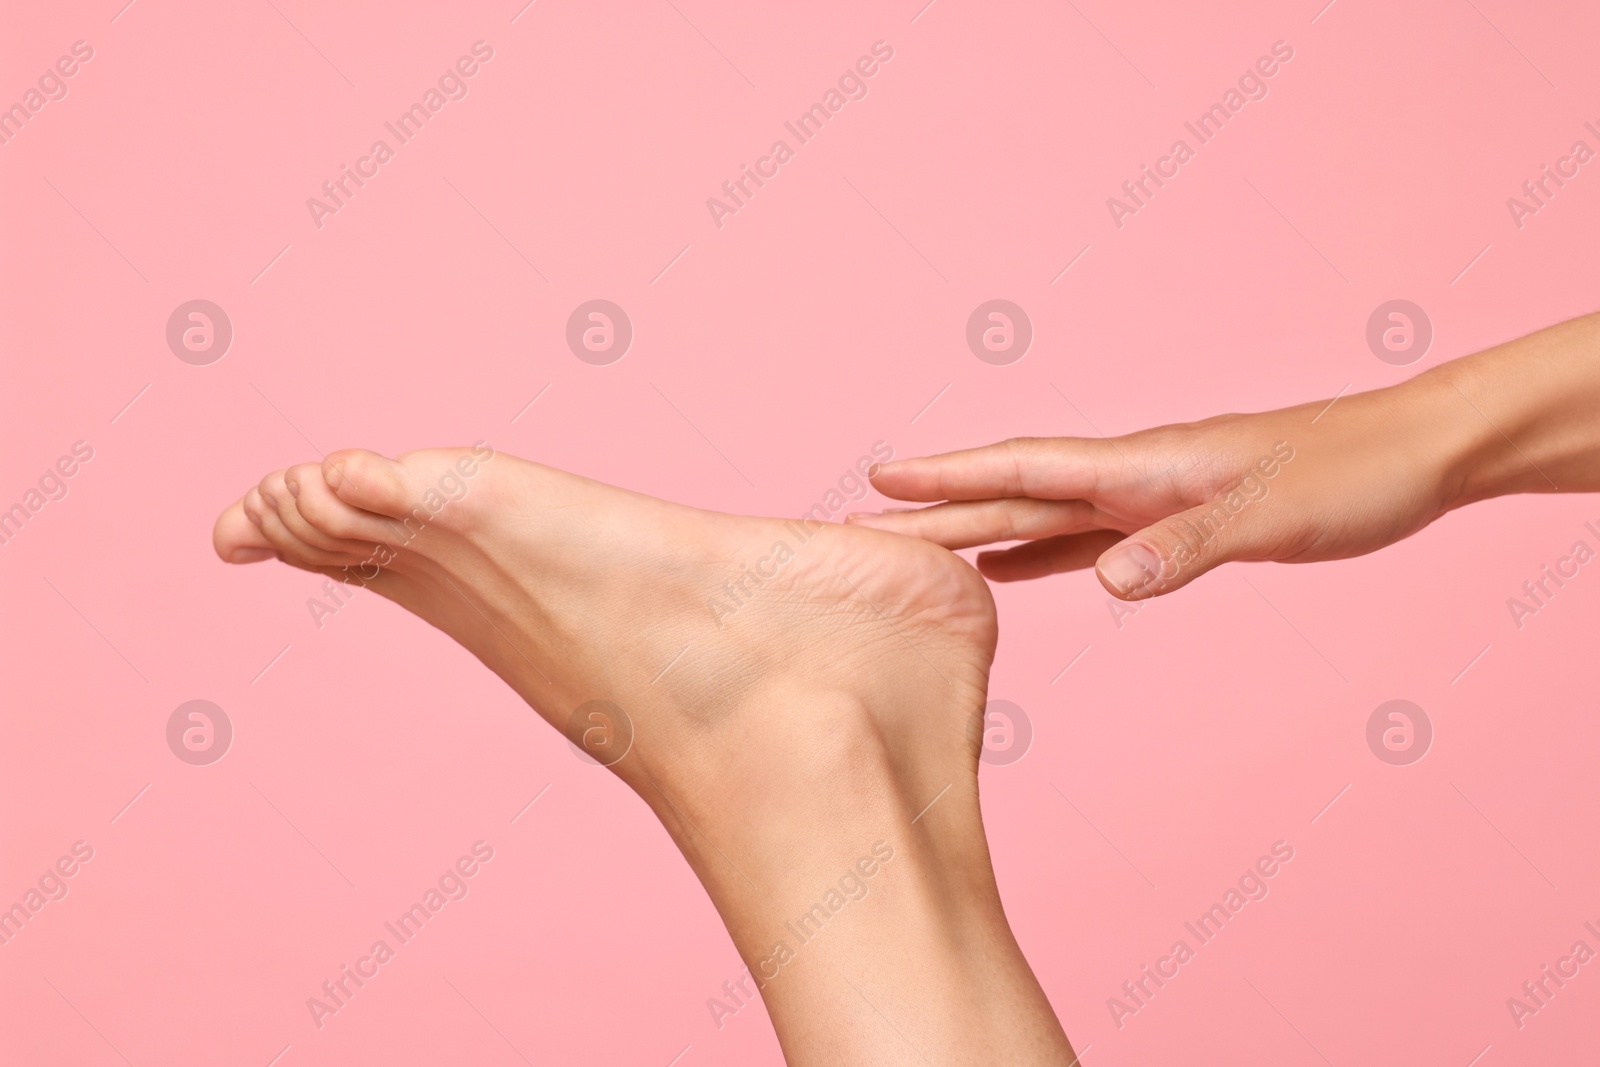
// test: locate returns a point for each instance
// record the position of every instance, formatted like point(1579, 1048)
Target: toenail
point(250, 555)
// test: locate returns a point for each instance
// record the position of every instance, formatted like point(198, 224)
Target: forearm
point(1368, 470)
point(1522, 417)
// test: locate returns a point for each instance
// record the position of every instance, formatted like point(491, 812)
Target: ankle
point(881, 931)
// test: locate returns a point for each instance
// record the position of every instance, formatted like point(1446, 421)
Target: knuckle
point(1021, 453)
point(1186, 534)
point(1005, 527)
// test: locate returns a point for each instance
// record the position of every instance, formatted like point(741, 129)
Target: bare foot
point(821, 683)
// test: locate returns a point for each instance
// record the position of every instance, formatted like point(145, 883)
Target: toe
point(261, 509)
point(368, 481)
point(283, 491)
point(237, 539)
point(318, 504)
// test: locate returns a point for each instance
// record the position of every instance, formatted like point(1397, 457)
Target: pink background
point(824, 316)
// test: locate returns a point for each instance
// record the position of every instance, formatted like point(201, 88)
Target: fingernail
point(1132, 568)
point(872, 471)
point(860, 515)
point(333, 475)
point(293, 487)
point(250, 555)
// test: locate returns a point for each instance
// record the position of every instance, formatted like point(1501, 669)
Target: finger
point(1052, 555)
point(984, 522)
point(1170, 554)
point(1051, 468)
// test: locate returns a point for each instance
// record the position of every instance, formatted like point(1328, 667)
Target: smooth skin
point(1154, 510)
point(838, 707)
point(810, 743)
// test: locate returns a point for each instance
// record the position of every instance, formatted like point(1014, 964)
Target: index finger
point(1046, 468)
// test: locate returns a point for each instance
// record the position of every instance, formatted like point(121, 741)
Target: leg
point(797, 695)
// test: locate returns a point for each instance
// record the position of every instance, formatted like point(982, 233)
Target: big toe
point(368, 481)
point(237, 539)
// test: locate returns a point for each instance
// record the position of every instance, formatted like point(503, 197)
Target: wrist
point(1476, 452)
point(1524, 414)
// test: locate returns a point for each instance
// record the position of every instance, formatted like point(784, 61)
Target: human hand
point(1316, 482)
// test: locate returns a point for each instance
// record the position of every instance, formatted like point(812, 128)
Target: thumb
point(1170, 554)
